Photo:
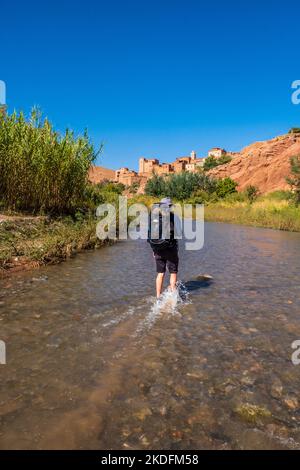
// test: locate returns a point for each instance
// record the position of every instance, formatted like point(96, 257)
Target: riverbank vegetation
point(41, 169)
point(278, 210)
point(28, 242)
point(274, 210)
point(46, 201)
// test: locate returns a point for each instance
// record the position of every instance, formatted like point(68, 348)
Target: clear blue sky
point(155, 78)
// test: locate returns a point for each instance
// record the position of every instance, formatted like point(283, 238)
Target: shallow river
point(91, 363)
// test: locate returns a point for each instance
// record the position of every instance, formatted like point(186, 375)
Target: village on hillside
point(150, 166)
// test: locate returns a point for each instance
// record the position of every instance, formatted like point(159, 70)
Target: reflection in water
point(94, 362)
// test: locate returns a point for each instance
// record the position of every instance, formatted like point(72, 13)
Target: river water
point(93, 364)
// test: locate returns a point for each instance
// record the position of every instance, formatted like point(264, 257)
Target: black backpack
point(157, 219)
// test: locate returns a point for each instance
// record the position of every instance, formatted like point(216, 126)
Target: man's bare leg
point(173, 281)
point(159, 283)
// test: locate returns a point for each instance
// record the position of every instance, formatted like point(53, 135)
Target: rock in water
point(204, 277)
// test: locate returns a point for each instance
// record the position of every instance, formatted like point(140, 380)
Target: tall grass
point(40, 169)
point(272, 211)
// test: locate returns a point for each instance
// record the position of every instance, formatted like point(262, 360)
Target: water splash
point(115, 321)
point(167, 304)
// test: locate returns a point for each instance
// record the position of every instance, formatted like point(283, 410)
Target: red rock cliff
point(262, 164)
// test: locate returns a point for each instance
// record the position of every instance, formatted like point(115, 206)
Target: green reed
point(42, 170)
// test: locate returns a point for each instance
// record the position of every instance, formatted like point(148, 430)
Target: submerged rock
point(204, 416)
point(254, 439)
point(10, 407)
point(143, 413)
point(291, 402)
point(204, 277)
point(199, 375)
point(276, 389)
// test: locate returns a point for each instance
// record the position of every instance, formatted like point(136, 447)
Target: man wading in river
point(163, 224)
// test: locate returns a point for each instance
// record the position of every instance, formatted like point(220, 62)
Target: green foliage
point(106, 191)
point(42, 170)
point(110, 187)
point(280, 195)
point(224, 159)
point(225, 186)
point(93, 196)
point(155, 186)
point(236, 197)
point(42, 240)
point(134, 187)
point(180, 186)
point(212, 162)
point(196, 187)
point(252, 193)
point(294, 130)
point(199, 197)
point(294, 179)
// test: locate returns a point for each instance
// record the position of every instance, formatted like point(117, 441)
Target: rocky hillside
point(99, 173)
point(262, 164)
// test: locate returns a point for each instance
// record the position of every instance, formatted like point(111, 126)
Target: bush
point(252, 193)
point(224, 159)
point(93, 196)
point(110, 187)
point(199, 197)
point(210, 162)
point(294, 179)
point(225, 186)
point(180, 186)
point(294, 130)
point(134, 187)
point(155, 186)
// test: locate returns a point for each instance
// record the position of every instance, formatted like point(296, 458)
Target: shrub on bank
point(294, 179)
point(225, 187)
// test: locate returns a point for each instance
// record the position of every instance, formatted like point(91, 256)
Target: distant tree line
point(196, 187)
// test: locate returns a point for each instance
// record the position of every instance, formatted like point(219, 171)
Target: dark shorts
point(169, 258)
